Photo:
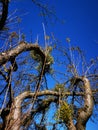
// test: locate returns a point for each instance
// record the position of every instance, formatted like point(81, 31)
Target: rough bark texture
point(70, 125)
point(85, 112)
point(9, 55)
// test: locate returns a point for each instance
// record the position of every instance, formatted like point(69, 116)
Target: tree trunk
point(12, 121)
point(85, 113)
point(80, 126)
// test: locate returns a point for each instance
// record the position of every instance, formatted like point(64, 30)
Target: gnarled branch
point(85, 112)
point(22, 47)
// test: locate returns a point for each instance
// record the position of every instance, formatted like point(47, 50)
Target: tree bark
point(70, 125)
point(85, 112)
point(13, 120)
point(22, 47)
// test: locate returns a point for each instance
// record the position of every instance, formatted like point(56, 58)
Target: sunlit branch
point(22, 47)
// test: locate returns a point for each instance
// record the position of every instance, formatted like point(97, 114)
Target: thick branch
point(16, 109)
point(18, 100)
point(85, 112)
point(28, 94)
point(9, 55)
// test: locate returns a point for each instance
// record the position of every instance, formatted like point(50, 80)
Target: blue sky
point(80, 24)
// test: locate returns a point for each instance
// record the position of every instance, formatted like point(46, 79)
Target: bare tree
point(29, 101)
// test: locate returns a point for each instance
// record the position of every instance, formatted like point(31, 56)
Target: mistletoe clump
point(64, 113)
point(48, 60)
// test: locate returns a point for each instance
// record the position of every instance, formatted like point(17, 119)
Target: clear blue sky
point(80, 24)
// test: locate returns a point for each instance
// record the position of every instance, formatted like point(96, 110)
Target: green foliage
point(64, 113)
point(35, 55)
point(60, 87)
point(49, 60)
